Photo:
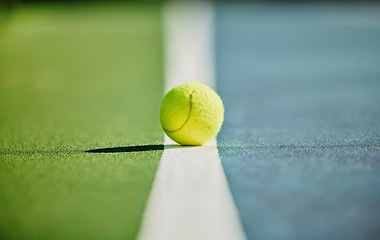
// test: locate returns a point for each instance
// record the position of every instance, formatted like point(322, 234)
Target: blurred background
point(300, 142)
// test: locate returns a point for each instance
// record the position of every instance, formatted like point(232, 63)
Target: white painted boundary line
point(190, 198)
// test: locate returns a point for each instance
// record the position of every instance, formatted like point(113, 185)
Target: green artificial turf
point(75, 78)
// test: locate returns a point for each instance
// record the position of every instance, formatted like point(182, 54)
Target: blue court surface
point(300, 145)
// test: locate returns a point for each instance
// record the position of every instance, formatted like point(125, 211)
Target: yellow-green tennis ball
point(191, 113)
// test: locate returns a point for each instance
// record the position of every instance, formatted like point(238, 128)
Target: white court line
point(190, 198)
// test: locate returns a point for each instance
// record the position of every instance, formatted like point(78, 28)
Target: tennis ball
point(191, 113)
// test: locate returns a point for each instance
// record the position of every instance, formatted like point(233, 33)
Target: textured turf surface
point(301, 141)
point(75, 78)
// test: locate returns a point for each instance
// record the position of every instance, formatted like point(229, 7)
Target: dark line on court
point(142, 148)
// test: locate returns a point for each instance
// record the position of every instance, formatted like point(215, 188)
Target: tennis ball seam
point(188, 115)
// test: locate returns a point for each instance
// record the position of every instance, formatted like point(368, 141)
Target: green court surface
point(75, 78)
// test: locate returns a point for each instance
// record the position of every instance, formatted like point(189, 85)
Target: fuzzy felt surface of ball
point(191, 113)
